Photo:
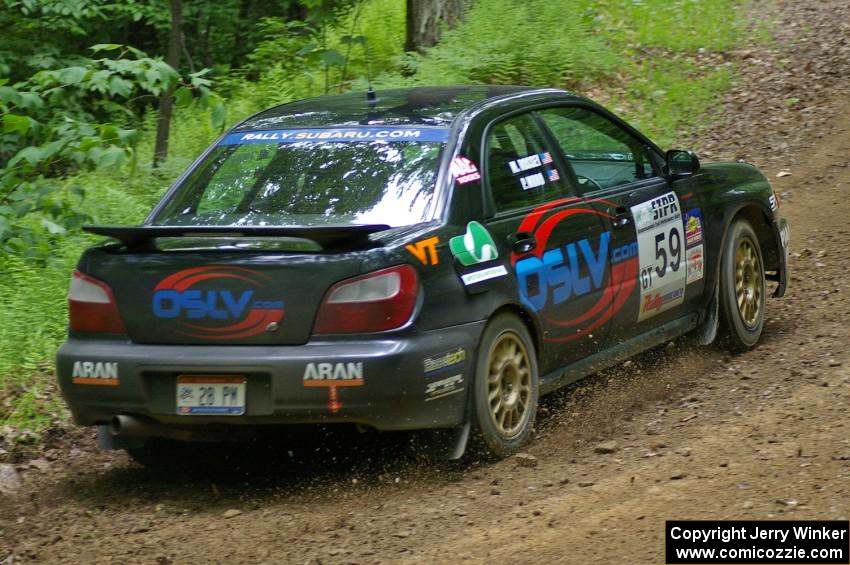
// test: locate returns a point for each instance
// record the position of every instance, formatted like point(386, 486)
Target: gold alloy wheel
point(509, 383)
point(748, 287)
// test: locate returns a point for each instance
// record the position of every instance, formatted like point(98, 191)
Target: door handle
point(522, 242)
point(622, 217)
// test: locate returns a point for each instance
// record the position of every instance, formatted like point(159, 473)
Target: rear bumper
point(396, 393)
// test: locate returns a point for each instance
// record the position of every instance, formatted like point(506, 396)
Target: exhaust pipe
point(124, 425)
point(127, 426)
point(125, 432)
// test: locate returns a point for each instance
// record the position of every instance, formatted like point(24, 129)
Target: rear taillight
point(377, 302)
point(91, 306)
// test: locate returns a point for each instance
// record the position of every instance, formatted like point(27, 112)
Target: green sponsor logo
point(473, 247)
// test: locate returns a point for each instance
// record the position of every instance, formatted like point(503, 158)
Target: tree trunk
point(424, 18)
point(166, 102)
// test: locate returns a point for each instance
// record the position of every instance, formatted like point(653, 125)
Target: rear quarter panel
point(445, 300)
point(724, 190)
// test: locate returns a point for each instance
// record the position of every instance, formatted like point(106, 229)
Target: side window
point(519, 166)
point(601, 153)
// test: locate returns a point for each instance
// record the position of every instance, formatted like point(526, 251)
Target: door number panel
point(661, 249)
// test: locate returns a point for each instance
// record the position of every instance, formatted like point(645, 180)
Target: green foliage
point(665, 102)
point(33, 304)
point(55, 123)
point(382, 24)
point(32, 322)
point(295, 48)
point(28, 337)
point(44, 34)
point(536, 42)
point(296, 60)
point(664, 91)
point(677, 25)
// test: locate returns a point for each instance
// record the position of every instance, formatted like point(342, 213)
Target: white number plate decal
point(661, 248)
point(211, 394)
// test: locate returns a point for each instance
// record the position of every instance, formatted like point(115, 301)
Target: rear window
point(363, 175)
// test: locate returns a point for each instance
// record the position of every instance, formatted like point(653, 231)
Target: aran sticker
point(95, 373)
point(554, 175)
point(425, 250)
point(463, 170)
point(338, 374)
point(333, 376)
point(693, 227)
point(695, 263)
point(661, 248)
point(475, 246)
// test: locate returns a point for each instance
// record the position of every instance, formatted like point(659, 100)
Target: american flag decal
point(546, 158)
point(554, 175)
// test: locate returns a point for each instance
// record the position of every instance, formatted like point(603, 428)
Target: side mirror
point(681, 163)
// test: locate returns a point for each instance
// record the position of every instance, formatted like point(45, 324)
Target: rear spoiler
point(326, 236)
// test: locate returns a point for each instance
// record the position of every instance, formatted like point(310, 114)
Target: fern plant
point(535, 42)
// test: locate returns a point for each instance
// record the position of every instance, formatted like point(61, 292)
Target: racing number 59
point(674, 244)
point(664, 244)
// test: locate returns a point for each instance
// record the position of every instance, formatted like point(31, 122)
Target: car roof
point(420, 106)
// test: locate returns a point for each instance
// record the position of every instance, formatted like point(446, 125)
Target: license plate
point(211, 394)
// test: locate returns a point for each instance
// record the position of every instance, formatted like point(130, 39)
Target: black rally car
point(426, 258)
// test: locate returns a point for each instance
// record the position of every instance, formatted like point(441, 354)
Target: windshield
point(362, 175)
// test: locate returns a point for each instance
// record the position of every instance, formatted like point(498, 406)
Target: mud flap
point(706, 333)
point(442, 444)
point(781, 235)
point(458, 443)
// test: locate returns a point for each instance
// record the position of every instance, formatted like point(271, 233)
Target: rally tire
point(506, 389)
point(742, 288)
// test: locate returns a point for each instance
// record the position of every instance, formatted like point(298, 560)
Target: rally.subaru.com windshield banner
point(337, 135)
